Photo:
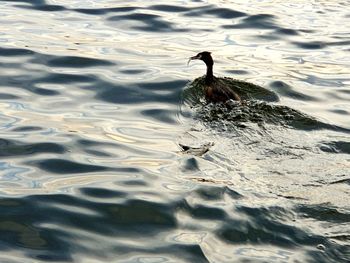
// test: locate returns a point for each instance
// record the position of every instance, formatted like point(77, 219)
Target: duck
point(215, 91)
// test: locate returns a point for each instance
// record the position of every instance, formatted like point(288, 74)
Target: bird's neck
point(209, 77)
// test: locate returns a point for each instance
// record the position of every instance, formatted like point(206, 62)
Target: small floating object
point(197, 151)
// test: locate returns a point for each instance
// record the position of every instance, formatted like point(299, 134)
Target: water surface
point(92, 116)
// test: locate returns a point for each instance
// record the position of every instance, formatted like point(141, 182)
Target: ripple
point(134, 183)
point(58, 78)
point(45, 213)
point(169, 8)
point(9, 52)
point(46, 8)
point(27, 129)
point(167, 116)
point(45, 92)
point(286, 31)
point(207, 212)
point(132, 71)
point(78, 62)
point(102, 193)
point(17, 148)
point(34, 2)
point(225, 13)
point(310, 45)
point(336, 147)
point(259, 21)
point(5, 96)
point(325, 82)
point(103, 11)
point(284, 89)
point(147, 22)
point(140, 92)
point(262, 229)
point(59, 166)
point(216, 193)
point(324, 213)
point(237, 72)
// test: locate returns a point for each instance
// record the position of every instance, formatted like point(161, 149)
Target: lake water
point(93, 116)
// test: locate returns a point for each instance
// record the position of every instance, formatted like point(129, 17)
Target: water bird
point(215, 90)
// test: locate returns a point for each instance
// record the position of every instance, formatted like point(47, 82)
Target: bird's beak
point(193, 58)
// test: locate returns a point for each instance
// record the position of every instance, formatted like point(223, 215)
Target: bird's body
point(214, 90)
point(218, 92)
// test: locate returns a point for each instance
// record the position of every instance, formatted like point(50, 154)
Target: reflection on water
point(92, 118)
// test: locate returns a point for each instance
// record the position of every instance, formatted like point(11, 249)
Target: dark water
point(92, 117)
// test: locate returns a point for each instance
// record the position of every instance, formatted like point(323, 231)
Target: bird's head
point(204, 56)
